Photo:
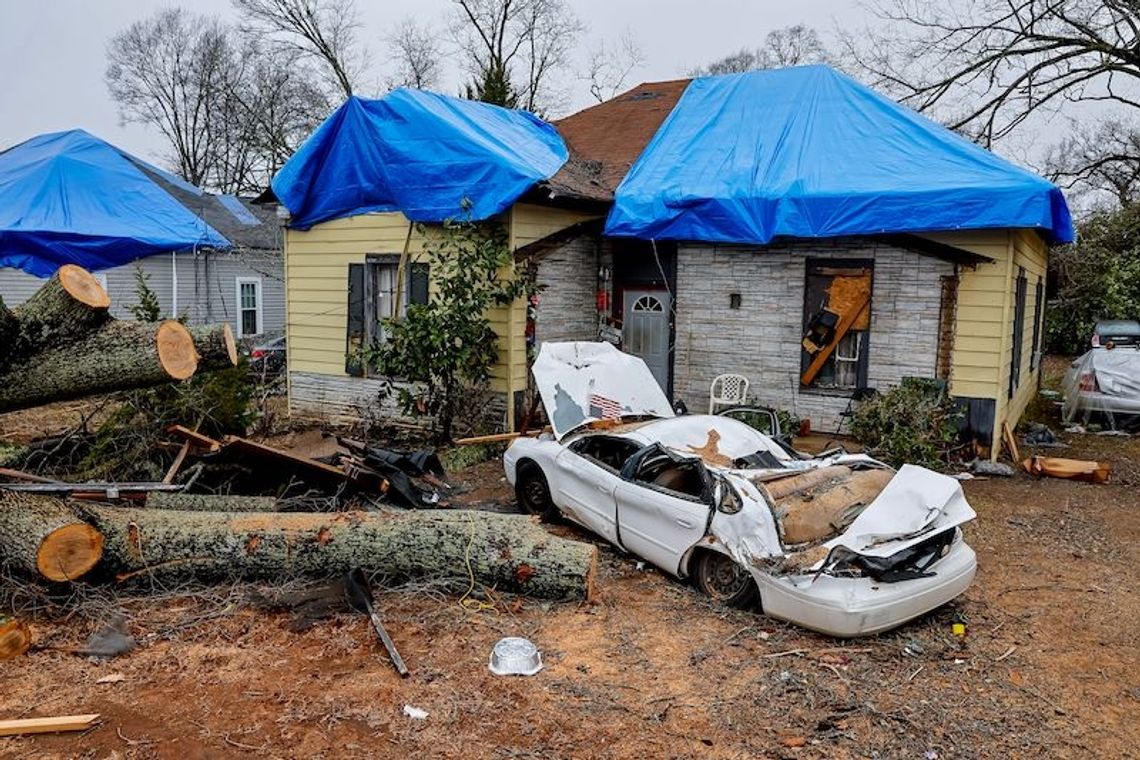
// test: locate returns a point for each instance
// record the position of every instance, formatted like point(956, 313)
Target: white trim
point(256, 282)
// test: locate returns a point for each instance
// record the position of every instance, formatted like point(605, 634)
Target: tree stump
point(216, 347)
point(117, 356)
point(508, 552)
point(41, 535)
point(70, 304)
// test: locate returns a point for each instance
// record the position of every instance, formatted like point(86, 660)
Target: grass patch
point(461, 457)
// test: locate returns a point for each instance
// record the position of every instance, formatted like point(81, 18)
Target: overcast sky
point(52, 52)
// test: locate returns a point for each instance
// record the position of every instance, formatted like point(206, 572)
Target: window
point(683, 478)
point(376, 295)
point(249, 306)
point(607, 451)
point(1018, 331)
point(1038, 317)
point(837, 322)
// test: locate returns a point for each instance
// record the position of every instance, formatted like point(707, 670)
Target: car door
point(655, 521)
point(586, 486)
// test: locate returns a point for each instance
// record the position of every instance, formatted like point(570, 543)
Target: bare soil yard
point(1049, 666)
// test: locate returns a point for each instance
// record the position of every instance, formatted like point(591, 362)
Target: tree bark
point(117, 356)
point(68, 306)
point(216, 346)
point(41, 535)
point(510, 553)
point(200, 502)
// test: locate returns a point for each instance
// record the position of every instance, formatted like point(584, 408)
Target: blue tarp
point(71, 198)
point(810, 152)
point(430, 156)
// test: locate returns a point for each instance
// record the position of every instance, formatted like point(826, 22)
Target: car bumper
point(847, 607)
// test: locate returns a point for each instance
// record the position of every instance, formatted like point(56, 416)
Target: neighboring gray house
point(245, 286)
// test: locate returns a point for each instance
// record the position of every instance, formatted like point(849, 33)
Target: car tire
point(533, 492)
point(724, 580)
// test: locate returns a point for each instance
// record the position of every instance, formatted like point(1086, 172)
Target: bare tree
point(988, 65)
point(1100, 162)
point(417, 55)
point(608, 67)
point(231, 108)
point(515, 48)
point(167, 71)
point(320, 30)
point(790, 46)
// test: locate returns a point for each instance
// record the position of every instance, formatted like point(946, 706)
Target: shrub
point(913, 423)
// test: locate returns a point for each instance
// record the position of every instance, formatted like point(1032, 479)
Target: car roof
point(1118, 327)
point(719, 441)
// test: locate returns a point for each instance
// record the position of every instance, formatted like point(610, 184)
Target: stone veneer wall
point(761, 339)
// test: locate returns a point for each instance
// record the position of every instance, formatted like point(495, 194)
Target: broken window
point(377, 293)
point(607, 451)
point(680, 477)
point(837, 322)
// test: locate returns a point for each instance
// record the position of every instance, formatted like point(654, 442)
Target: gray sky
point(53, 51)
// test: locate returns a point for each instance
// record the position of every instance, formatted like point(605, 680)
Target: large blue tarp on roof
point(810, 152)
point(430, 156)
point(71, 198)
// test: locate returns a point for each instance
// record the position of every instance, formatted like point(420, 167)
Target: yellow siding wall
point(316, 272)
point(1031, 254)
point(980, 363)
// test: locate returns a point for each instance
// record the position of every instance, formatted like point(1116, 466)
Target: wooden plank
point(177, 464)
point(1010, 442)
point(21, 475)
point(849, 317)
point(194, 437)
point(312, 466)
point(47, 725)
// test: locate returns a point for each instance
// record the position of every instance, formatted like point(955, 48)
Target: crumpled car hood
point(584, 382)
point(915, 504)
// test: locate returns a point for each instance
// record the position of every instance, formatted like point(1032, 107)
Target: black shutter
point(1018, 333)
point(418, 275)
point(354, 338)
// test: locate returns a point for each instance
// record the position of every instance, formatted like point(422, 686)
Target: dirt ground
point(1049, 666)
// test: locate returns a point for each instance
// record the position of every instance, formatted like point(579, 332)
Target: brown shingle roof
point(605, 140)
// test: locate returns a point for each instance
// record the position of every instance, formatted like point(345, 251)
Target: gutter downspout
point(174, 285)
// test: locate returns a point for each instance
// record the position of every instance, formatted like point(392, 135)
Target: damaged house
point(811, 235)
point(73, 198)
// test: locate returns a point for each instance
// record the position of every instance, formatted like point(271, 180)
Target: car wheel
point(723, 579)
point(533, 492)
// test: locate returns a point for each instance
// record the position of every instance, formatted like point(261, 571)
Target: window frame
point(1038, 323)
point(259, 307)
point(862, 368)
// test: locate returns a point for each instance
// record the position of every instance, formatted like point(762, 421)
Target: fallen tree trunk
point(42, 535)
point(117, 356)
point(203, 502)
point(508, 552)
point(216, 347)
point(69, 305)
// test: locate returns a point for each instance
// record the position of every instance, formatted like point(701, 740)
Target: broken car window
point(681, 477)
point(607, 451)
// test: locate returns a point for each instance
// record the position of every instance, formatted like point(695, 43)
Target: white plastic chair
point(728, 389)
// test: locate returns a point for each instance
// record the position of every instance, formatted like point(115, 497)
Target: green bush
point(913, 423)
point(1098, 277)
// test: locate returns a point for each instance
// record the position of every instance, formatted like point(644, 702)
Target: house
point(814, 236)
point(70, 197)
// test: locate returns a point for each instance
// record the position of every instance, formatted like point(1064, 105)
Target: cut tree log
point(68, 306)
point(216, 346)
point(42, 535)
point(820, 513)
point(15, 639)
point(508, 552)
point(117, 356)
point(779, 489)
point(204, 502)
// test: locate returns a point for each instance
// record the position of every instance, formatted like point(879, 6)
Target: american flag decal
point(604, 408)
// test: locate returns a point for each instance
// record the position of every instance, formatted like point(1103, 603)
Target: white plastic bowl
point(515, 656)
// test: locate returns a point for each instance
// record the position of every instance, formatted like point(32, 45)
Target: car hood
point(584, 382)
point(915, 504)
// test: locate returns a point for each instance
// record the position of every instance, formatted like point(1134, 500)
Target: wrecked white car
point(839, 543)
